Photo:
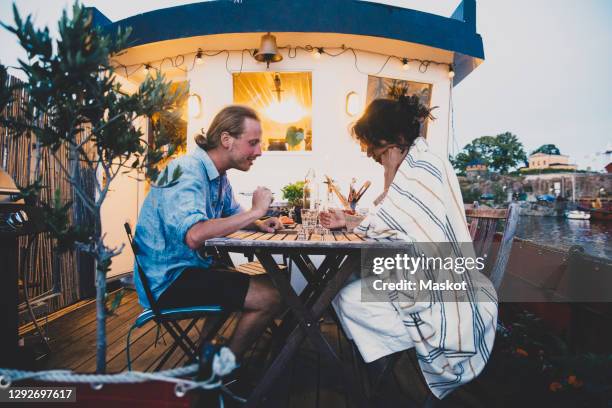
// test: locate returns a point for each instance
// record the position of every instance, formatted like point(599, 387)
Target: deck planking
point(310, 380)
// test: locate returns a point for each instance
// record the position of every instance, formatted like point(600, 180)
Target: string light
point(199, 58)
point(178, 61)
point(405, 65)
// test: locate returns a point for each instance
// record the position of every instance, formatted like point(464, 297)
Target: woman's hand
point(380, 198)
point(332, 219)
point(391, 160)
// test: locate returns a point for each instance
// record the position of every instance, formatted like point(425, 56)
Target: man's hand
point(262, 198)
point(332, 219)
point(269, 224)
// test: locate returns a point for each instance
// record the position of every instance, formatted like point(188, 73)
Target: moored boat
point(577, 215)
point(601, 214)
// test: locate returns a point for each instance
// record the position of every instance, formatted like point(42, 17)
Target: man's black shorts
point(218, 285)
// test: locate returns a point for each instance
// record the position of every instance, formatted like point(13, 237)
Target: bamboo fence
point(42, 270)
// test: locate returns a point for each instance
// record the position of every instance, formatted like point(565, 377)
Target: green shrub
point(294, 193)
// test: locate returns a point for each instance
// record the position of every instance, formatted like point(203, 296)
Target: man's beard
point(244, 163)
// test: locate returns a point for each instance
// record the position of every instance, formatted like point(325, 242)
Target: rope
point(224, 362)
point(8, 376)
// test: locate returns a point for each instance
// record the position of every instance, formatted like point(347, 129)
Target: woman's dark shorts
point(218, 285)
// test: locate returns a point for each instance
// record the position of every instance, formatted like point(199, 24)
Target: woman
point(421, 204)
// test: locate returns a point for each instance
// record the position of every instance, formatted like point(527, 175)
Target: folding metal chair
point(168, 318)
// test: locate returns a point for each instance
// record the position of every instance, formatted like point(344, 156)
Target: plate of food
point(286, 220)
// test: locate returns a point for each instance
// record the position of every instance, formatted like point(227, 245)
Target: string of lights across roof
point(179, 61)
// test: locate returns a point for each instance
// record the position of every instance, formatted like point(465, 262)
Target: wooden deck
point(310, 381)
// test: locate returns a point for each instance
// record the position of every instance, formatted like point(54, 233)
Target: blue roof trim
point(466, 12)
point(457, 34)
point(334, 16)
point(99, 19)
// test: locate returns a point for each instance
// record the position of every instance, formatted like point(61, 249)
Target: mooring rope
point(224, 362)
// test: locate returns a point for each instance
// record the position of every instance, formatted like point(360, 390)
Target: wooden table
point(342, 257)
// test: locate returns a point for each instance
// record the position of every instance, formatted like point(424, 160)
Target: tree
point(500, 153)
point(508, 153)
point(479, 150)
point(73, 87)
point(547, 149)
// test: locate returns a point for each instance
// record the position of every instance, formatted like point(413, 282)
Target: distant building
point(568, 185)
point(476, 168)
point(543, 161)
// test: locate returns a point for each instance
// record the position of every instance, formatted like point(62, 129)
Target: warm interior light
point(353, 104)
point(194, 105)
point(286, 111)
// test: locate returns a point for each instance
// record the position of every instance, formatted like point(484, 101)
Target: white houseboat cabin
point(331, 58)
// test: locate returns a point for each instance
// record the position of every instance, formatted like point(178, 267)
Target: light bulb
point(405, 65)
point(289, 110)
point(199, 60)
point(451, 72)
point(317, 53)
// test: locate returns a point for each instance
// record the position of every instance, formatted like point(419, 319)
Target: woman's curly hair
point(391, 121)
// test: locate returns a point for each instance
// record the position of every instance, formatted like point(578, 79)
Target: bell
point(268, 51)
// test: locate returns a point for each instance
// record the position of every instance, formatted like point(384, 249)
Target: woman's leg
point(376, 327)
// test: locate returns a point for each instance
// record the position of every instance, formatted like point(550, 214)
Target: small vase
point(297, 214)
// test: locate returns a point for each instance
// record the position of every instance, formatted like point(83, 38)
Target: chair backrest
point(483, 225)
point(143, 278)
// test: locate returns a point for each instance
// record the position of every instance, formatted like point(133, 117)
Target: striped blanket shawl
point(423, 206)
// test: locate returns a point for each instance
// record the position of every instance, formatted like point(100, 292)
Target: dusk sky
point(546, 75)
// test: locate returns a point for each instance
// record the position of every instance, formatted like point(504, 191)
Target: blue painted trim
point(325, 16)
point(99, 19)
point(466, 12)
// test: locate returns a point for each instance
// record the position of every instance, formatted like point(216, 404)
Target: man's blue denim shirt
point(167, 214)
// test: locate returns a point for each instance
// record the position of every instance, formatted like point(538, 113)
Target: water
point(593, 236)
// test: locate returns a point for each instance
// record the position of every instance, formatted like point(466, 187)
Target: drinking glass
point(309, 219)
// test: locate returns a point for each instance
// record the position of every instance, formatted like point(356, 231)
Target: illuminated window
point(283, 101)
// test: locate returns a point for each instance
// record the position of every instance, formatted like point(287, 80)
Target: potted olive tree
point(294, 194)
point(77, 108)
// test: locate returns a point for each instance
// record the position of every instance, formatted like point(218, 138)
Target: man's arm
point(270, 224)
point(219, 227)
point(201, 231)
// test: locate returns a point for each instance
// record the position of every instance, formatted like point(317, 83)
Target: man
point(175, 221)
